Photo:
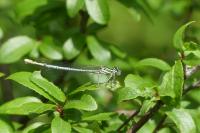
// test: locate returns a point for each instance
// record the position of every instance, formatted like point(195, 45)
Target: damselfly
point(111, 72)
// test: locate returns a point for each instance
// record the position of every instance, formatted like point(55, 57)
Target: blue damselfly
point(110, 72)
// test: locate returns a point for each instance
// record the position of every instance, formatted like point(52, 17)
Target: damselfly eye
point(117, 70)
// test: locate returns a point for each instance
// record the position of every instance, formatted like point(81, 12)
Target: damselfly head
point(117, 71)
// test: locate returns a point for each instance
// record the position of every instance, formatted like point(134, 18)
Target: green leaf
point(5, 127)
point(19, 102)
point(183, 120)
point(98, 10)
point(134, 13)
point(172, 84)
point(153, 62)
point(82, 130)
point(2, 74)
point(85, 103)
point(118, 52)
point(49, 50)
point(127, 93)
point(23, 78)
point(47, 86)
point(58, 125)
point(98, 117)
point(138, 6)
point(25, 106)
point(135, 86)
point(145, 8)
point(27, 7)
point(192, 59)
point(15, 48)
point(73, 6)
point(146, 105)
point(87, 86)
point(195, 113)
point(34, 53)
point(97, 51)
point(32, 127)
point(73, 46)
point(178, 37)
point(135, 82)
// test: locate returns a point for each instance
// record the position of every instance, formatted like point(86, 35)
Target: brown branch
point(159, 126)
point(128, 120)
point(6, 85)
point(147, 116)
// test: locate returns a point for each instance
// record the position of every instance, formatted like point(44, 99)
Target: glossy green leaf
point(135, 86)
point(47, 86)
point(28, 108)
point(23, 78)
point(49, 50)
point(191, 59)
point(87, 86)
point(5, 127)
point(195, 113)
point(138, 6)
point(82, 130)
point(33, 126)
point(99, 117)
point(58, 125)
point(15, 48)
point(19, 102)
point(96, 49)
point(191, 46)
point(127, 93)
point(73, 6)
point(135, 14)
point(98, 10)
point(172, 84)
point(34, 53)
point(86, 102)
point(178, 37)
point(192, 53)
point(153, 62)
point(135, 81)
point(118, 52)
point(25, 106)
point(73, 46)
point(183, 120)
point(27, 7)
point(146, 105)
point(1, 74)
point(144, 7)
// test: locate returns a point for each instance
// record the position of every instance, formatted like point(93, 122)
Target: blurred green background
point(142, 31)
point(139, 32)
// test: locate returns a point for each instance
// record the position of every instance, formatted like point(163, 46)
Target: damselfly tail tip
point(28, 61)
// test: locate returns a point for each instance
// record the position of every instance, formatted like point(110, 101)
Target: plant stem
point(159, 126)
point(147, 116)
point(128, 120)
point(83, 23)
point(6, 85)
